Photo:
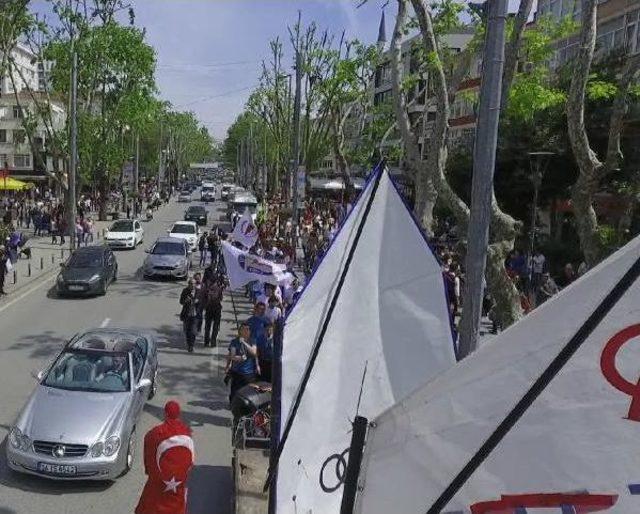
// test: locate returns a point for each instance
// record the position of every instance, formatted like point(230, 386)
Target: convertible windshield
point(85, 260)
point(122, 226)
point(90, 371)
point(183, 229)
point(168, 249)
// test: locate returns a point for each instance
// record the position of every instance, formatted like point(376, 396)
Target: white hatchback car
point(124, 234)
point(187, 230)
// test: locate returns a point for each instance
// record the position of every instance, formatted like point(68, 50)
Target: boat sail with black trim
point(377, 303)
point(543, 418)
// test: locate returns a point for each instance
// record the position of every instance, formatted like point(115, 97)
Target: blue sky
point(209, 51)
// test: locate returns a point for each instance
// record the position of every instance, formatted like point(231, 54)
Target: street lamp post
point(538, 161)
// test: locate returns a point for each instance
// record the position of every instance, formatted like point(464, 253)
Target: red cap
point(172, 410)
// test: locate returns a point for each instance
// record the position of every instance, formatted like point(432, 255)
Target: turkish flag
point(168, 458)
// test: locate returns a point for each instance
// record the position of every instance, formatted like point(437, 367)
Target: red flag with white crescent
point(168, 457)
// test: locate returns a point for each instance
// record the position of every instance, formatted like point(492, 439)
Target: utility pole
point(484, 161)
point(251, 157)
point(238, 152)
point(161, 157)
point(73, 158)
point(296, 139)
point(136, 176)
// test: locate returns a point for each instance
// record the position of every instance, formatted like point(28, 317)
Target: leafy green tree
point(116, 89)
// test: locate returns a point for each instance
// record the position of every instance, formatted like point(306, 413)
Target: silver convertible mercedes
point(80, 421)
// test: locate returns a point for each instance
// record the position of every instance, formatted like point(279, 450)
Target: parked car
point(80, 421)
point(187, 230)
point(124, 234)
point(197, 214)
point(89, 270)
point(168, 257)
point(184, 195)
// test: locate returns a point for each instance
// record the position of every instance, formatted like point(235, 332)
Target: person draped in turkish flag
point(168, 458)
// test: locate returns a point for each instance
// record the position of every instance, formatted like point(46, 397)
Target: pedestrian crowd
point(531, 276)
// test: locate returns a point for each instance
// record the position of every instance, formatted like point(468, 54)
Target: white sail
point(390, 317)
point(543, 418)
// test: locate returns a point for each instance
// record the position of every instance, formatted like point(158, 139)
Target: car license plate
point(76, 288)
point(56, 469)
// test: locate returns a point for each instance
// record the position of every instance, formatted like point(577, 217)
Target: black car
point(196, 213)
point(88, 270)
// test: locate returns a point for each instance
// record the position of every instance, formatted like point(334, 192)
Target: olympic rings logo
point(331, 484)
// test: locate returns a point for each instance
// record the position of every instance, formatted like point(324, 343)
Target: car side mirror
point(38, 375)
point(62, 264)
point(147, 250)
point(144, 383)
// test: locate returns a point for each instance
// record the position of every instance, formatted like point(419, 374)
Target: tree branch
point(513, 49)
point(618, 113)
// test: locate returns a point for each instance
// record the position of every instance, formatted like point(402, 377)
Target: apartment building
point(618, 22)
point(16, 102)
point(463, 107)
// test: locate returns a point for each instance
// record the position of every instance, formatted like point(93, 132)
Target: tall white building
point(25, 159)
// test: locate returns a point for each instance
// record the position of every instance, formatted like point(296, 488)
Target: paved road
point(34, 324)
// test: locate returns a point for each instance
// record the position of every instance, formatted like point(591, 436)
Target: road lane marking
point(27, 293)
point(105, 322)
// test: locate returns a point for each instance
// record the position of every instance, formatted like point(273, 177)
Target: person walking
point(274, 310)
point(79, 232)
point(241, 361)
point(548, 288)
point(213, 311)
point(265, 354)
point(199, 291)
point(3, 268)
point(168, 458)
point(213, 244)
point(538, 264)
point(188, 314)
point(202, 246)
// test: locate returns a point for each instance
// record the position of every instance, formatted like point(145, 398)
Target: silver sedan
point(168, 257)
point(80, 420)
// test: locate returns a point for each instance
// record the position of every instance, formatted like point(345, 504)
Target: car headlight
point(107, 448)
point(94, 278)
point(96, 449)
point(18, 440)
point(111, 446)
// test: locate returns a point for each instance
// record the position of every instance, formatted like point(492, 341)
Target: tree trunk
point(504, 227)
point(591, 169)
point(586, 219)
point(588, 163)
point(431, 179)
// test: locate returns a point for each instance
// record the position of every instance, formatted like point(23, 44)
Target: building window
point(22, 161)
point(4, 161)
point(3, 136)
point(382, 98)
point(18, 112)
point(19, 137)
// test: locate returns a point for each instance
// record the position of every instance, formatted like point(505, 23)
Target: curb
point(27, 281)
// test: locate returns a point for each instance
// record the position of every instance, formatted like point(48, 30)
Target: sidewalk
point(45, 258)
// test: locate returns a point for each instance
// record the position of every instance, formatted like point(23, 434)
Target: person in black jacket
point(188, 314)
point(202, 246)
point(3, 268)
point(212, 303)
